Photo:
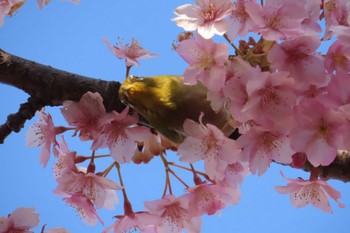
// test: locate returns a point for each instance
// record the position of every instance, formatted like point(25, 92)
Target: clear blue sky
point(69, 37)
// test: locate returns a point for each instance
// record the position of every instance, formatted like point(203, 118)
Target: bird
point(165, 101)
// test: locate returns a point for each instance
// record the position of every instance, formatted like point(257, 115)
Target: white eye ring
point(136, 78)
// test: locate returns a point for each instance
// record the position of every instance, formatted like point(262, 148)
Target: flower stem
point(238, 52)
point(108, 169)
point(314, 174)
point(189, 169)
point(127, 205)
point(167, 179)
point(91, 167)
point(168, 169)
point(127, 71)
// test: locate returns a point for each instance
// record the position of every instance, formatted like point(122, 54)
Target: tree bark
point(48, 86)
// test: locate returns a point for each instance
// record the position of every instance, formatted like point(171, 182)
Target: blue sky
point(69, 37)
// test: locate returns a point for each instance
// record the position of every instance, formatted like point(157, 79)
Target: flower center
point(209, 14)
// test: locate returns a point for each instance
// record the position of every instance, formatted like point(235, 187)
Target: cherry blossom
point(86, 115)
point(338, 58)
point(307, 192)
point(208, 17)
point(41, 3)
point(8, 7)
point(85, 209)
point(20, 220)
point(65, 160)
point(208, 199)
point(270, 96)
point(174, 215)
point(97, 189)
point(120, 134)
point(261, 146)
point(336, 12)
point(342, 33)
point(43, 133)
point(206, 61)
point(338, 92)
point(210, 144)
point(57, 230)
point(279, 20)
point(151, 146)
point(240, 23)
point(235, 88)
point(234, 176)
point(139, 221)
point(299, 57)
point(131, 53)
point(318, 132)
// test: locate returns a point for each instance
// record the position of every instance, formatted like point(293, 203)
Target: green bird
point(166, 102)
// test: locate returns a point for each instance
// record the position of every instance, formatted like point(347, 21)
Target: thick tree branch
point(48, 86)
point(339, 169)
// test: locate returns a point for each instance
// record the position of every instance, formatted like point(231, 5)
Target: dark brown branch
point(48, 86)
point(339, 169)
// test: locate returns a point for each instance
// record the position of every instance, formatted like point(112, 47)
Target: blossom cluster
point(23, 220)
point(282, 93)
point(289, 101)
point(8, 7)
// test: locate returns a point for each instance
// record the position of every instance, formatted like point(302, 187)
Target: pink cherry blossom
point(97, 189)
point(21, 220)
point(8, 7)
point(318, 133)
point(139, 221)
point(65, 160)
point(306, 192)
point(206, 61)
point(151, 146)
point(338, 93)
point(236, 87)
point(86, 115)
point(131, 53)
point(342, 33)
point(311, 15)
point(85, 209)
point(41, 3)
point(270, 97)
point(299, 57)
point(277, 19)
point(261, 146)
point(174, 215)
point(240, 23)
point(234, 176)
point(57, 230)
point(338, 58)
point(336, 12)
point(120, 135)
point(208, 143)
point(208, 199)
point(208, 17)
point(43, 133)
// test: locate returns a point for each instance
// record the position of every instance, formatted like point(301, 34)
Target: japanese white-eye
point(166, 102)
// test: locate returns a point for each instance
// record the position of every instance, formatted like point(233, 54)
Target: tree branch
point(48, 86)
point(339, 169)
